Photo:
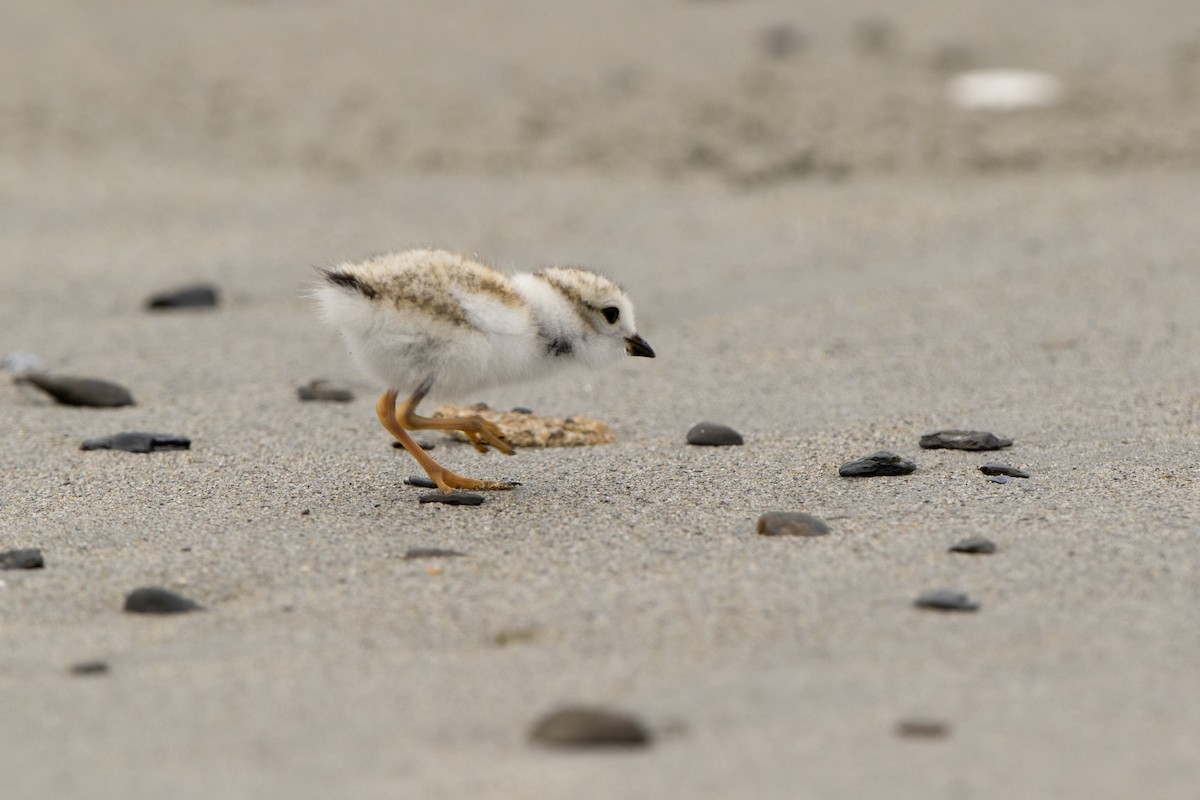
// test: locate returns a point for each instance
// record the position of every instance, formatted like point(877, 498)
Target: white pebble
point(1005, 89)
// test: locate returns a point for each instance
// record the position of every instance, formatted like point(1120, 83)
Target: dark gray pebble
point(946, 600)
point(521, 410)
point(453, 499)
point(417, 480)
point(964, 440)
point(589, 727)
point(791, 523)
point(424, 445)
point(70, 391)
point(154, 600)
point(921, 728)
point(138, 442)
point(90, 668)
point(325, 391)
point(201, 295)
point(713, 435)
point(430, 552)
point(974, 544)
point(22, 559)
point(1003, 469)
point(882, 463)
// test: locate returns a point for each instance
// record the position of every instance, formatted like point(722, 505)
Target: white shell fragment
point(1005, 89)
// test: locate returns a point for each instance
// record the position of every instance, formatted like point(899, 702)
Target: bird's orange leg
point(478, 430)
point(446, 480)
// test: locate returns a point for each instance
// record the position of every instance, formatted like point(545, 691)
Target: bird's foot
point(481, 433)
point(448, 481)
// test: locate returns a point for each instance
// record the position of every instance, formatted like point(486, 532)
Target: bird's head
point(606, 328)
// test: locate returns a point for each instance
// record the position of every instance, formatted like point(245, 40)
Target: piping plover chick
point(433, 322)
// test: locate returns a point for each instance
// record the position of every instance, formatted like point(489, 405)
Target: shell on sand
point(523, 429)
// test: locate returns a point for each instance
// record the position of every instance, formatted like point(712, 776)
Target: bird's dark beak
point(637, 346)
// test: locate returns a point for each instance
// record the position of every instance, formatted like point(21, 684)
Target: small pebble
point(325, 390)
point(22, 559)
point(713, 435)
point(1003, 469)
point(964, 440)
point(453, 499)
point(882, 463)
point(791, 523)
point(999, 478)
point(90, 668)
point(589, 727)
point(69, 391)
point(417, 480)
point(920, 728)
point(197, 296)
point(138, 442)
point(430, 552)
point(521, 410)
point(154, 600)
point(974, 544)
point(946, 600)
point(421, 443)
point(18, 363)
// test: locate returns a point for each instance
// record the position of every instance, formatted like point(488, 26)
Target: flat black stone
point(421, 443)
point(883, 462)
point(22, 559)
point(453, 499)
point(154, 600)
point(589, 727)
point(713, 434)
point(791, 523)
point(417, 480)
point(201, 295)
point(430, 552)
point(946, 600)
point(90, 668)
point(974, 544)
point(1003, 469)
point(521, 410)
point(964, 440)
point(71, 391)
point(138, 442)
point(324, 391)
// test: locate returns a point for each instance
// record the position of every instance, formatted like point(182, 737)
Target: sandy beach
point(826, 254)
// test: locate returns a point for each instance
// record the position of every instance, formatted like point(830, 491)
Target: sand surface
point(824, 254)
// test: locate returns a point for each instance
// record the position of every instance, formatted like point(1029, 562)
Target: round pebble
point(71, 391)
point(325, 391)
point(201, 295)
point(877, 464)
point(90, 668)
point(946, 600)
point(922, 728)
point(974, 544)
point(964, 440)
point(589, 727)
point(22, 559)
point(453, 499)
point(138, 442)
point(154, 600)
point(791, 523)
point(713, 434)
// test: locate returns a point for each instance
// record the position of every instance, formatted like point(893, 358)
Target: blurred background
point(752, 92)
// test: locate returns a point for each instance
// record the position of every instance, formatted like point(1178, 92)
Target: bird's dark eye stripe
point(611, 313)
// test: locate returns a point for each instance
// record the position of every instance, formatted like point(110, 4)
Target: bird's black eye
point(611, 313)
